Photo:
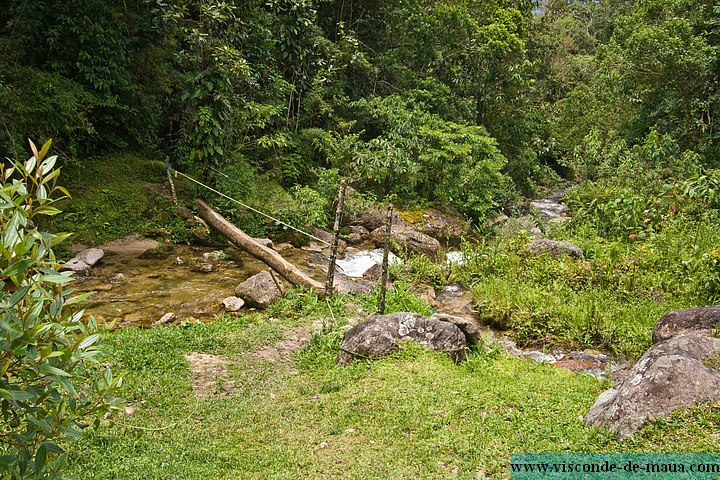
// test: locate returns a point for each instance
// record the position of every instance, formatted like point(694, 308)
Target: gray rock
point(555, 248)
point(167, 318)
point(686, 320)
point(354, 239)
point(410, 239)
point(265, 242)
point(84, 260)
point(378, 337)
point(372, 219)
point(358, 234)
point(328, 238)
point(669, 376)
point(213, 257)
point(449, 229)
point(470, 327)
point(344, 284)
point(232, 304)
point(258, 291)
point(538, 356)
point(374, 273)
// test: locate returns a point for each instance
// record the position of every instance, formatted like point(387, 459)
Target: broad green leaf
point(91, 340)
point(67, 385)
point(79, 298)
point(18, 267)
point(40, 458)
point(57, 278)
point(45, 150)
point(49, 369)
point(30, 165)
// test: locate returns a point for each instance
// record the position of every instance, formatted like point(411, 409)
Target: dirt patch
point(293, 341)
point(208, 375)
point(132, 245)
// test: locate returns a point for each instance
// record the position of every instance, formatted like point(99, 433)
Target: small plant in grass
point(51, 379)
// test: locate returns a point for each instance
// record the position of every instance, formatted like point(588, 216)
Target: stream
point(136, 283)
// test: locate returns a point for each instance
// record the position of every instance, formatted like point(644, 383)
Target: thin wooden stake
point(385, 264)
point(336, 239)
point(172, 185)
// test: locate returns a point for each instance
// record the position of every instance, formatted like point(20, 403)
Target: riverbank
point(412, 415)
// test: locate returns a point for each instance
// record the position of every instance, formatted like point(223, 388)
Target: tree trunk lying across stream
point(243, 241)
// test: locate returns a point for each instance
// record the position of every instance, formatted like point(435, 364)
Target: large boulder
point(378, 337)
point(84, 260)
point(373, 218)
point(259, 291)
point(555, 248)
point(679, 370)
point(686, 320)
point(469, 326)
point(448, 229)
point(410, 239)
point(672, 374)
point(344, 284)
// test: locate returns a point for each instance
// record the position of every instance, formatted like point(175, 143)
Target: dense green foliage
point(457, 103)
point(51, 380)
point(466, 104)
point(245, 88)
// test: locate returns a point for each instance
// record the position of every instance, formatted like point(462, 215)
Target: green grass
point(109, 198)
point(610, 300)
point(560, 316)
point(412, 415)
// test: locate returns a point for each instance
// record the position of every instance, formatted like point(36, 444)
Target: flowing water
point(357, 262)
point(551, 207)
point(138, 283)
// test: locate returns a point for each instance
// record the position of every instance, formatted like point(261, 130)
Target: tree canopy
point(459, 102)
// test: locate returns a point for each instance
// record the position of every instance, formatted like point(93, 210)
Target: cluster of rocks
point(427, 232)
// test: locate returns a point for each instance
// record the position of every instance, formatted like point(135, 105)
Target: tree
point(51, 379)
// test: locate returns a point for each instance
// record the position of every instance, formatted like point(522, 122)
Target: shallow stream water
point(137, 283)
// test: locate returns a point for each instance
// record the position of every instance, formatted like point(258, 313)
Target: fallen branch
point(243, 241)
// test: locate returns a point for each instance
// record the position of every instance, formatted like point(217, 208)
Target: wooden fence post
point(385, 264)
point(336, 239)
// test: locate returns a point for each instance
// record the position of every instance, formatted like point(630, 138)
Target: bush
point(51, 380)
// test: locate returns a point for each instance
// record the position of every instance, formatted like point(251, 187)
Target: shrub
point(51, 380)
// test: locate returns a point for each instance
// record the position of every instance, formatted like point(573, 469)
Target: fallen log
point(243, 241)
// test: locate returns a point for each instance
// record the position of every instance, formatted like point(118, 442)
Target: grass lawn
point(413, 415)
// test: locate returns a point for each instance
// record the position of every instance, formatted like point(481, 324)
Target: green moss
point(413, 216)
point(713, 361)
point(110, 198)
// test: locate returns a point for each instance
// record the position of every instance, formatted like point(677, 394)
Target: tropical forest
point(359, 239)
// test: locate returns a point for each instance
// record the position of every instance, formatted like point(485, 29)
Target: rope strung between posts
point(250, 208)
